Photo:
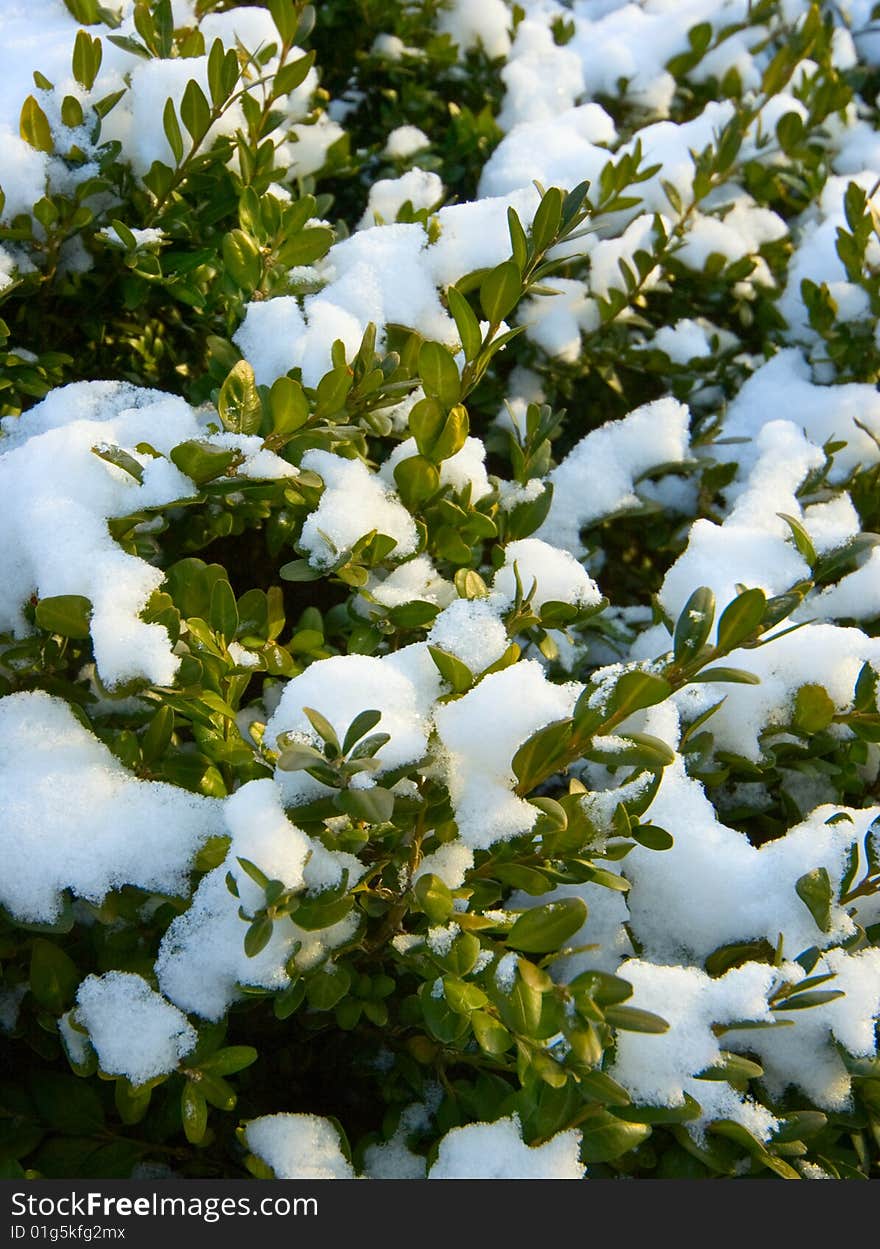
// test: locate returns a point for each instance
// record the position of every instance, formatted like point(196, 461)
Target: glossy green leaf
point(500, 291)
point(694, 625)
point(65, 614)
point(548, 927)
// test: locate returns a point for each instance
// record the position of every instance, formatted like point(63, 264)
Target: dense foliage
point(439, 591)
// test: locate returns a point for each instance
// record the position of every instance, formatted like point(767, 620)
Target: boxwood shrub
point(439, 589)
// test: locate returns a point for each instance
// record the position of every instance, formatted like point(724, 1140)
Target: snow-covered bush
point(439, 588)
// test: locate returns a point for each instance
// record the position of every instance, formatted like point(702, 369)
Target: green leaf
point(328, 986)
point(239, 403)
point(53, 976)
point(637, 749)
point(631, 1019)
point(452, 438)
point(802, 539)
point(298, 757)
point(87, 54)
point(374, 806)
point(541, 755)
point(223, 616)
point(691, 1109)
point(525, 518)
point(285, 16)
point(814, 709)
point(433, 897)
point(243, 261)
point(305, 246)
point(600, 1087)
point(288, 1002)
point(322, 727)
point(457, 674)
point(519, 244)
point(491, 1035)
point(293, 75)
point(217, 1091)
point(426, 421)
point(119, 459)
point(636, 690)
point(694, 625)
point(65, 614)
point(416, 614)
point(463, 997)
point(606, 1137)
point(733, 1068)
point(737, 953)
point(157, 738)
point(547, 928)
point(500, 290)
point(547, 220)
point(203, 461)
point(730, 676)
point(439, 374)
point(34, 126)
point(332, 391)
point(529, 879)
point(313, 914)
point(71, 111)
point(299, 570)
point(652, 837)
point(288, 406)
point(360, 726)
point(258, 936)
point(466, 323)
point(740, 619)
point(814, 890)
point(416, 479)
point(194, 1113)
point(132, 1101)
point(805, 1001)
point(195, 112)
point(172, 131)
point(602, 987)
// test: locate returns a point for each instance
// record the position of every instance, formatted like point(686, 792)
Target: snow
point(24, 174)
point(815, 654)
point(466, 468)
point(472, 631)
point(387, 196)
point(133, 1030)
point(685, 341)
point(752, 547)
point(298, 1147)
point(723, 890)
point(659, 1069)
point(415, 579)
point(59, 496)
point(495, 1151)
point(804, 1055)
point(782, 389)
point(355, 502)
point(404, 141)
point(476, 23)
point(202, 962)
point(451, 862)
point(482, 732)
point(560, 147)
point(776, 411)
point(610, 459)
point(401, 686)
point(555, 574)
point(111, 829)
